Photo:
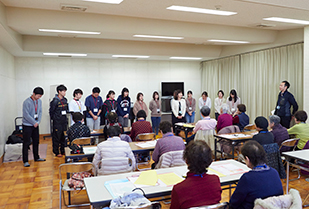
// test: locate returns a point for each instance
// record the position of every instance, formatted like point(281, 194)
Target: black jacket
point(55, 110)
point(264, 138)
point(284, 104)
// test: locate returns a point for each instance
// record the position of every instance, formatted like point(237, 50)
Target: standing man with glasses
point(284, 103)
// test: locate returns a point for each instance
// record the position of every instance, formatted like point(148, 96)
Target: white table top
point(97, 192)
point(299, 154)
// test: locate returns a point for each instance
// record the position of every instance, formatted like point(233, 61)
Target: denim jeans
point(190, 119)
point(155, 124)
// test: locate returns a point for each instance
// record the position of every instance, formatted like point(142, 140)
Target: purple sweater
point(167, 143)
point(280, 134)
point(224, 120)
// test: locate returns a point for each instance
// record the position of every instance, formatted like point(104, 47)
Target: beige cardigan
point(137, 107)
point(153, 106)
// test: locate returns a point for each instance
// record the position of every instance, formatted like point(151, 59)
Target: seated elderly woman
point(224, 118)
point(113, 147)
point(199, 188)
point(260, 182)
point(280, 133)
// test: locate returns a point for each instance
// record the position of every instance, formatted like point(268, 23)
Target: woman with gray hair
point(280, 133)
point(224, 118)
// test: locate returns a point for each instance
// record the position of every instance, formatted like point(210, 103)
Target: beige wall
point(137, 75)
point(7, 92)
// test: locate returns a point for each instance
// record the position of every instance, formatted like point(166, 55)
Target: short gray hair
point(205, 111)
point(274, 119)
point(225, 108)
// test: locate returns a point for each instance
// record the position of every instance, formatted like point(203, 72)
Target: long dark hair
point(124, 90)
point(109, 93)
point(233, 92)
point(154, 94)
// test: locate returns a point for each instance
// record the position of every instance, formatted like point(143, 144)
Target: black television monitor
point(168, 88)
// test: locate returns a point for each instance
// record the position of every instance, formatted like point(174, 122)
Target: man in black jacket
point(284, 103)
point(57, 111)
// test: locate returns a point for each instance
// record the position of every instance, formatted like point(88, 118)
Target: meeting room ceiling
point(118, 23)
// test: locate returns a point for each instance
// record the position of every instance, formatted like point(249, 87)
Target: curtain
point(221, 74)
point(256, 76)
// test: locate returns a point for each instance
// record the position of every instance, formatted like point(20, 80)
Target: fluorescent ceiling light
point(185, 58)
point(69, 31)
point(130, 56)
point(65, 54)
point(287, 20)
point(163, 37)
point(201, 10)
point(228, 41)
point(106, 1)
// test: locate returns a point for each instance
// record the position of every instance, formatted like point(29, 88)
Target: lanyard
point(113, 105)
point(190, 100)
point(95, 101)
point(200, 175)
point(263, 132)
point(61, 102)
point(78, 104)
point(205, 102)
point(35, 102)
point(141, 120)
point(157, 101)
point(220, 102)
point(169, 135)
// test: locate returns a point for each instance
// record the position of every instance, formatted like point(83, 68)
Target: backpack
point(15, 137)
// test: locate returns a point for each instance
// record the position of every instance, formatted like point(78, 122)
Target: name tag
point(158, 110)
point(233, 109)
point(190, 108)
point(63, 112)
point(113, 111)
point(36, 116)
point(125, 109)
point(95, 109)
point(180, 112)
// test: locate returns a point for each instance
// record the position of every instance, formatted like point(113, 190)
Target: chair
point(290, 143)
point(84, 141)
point(291, 200)
point(226, 146)
point(66, 170)
point(109, 166)
point(145, 137)
point(207, 136)
point(171, 159)
point(222, 205)
point(249, 127)
point(274, 158)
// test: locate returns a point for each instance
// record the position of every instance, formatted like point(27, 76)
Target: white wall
point(136, 75)
point(8, 101)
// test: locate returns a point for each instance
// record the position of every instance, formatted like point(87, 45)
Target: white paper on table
point(89, 150)
point(118, 189)
point(147, 144)
point(229, 136)
point(179, 124)
point(227, 169)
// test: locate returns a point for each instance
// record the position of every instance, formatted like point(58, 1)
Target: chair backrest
point(115, 165)
point(222, 205)
point(125, 137)
point(249, 127)
point(290, 143)
point(66, 170)
point(146, 137)
point(274, 158)
point(84, 141)
point(207, 136)
point(229, 129)
point(171, 159)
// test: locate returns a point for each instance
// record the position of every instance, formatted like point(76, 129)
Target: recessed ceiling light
point(65, 54)
point(163, 37)
point(185, 58)
point(201, 10)
point(287, 20)
point(106, 1)
point(131, 56)
point(228, 41)
point(69, 31)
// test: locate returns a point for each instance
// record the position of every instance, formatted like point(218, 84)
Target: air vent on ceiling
point(72, 8)
point(263, 25)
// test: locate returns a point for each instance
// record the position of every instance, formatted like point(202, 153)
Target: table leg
point(230, 192)
point(233, 147)
point(287, 176)
point(216, 148)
